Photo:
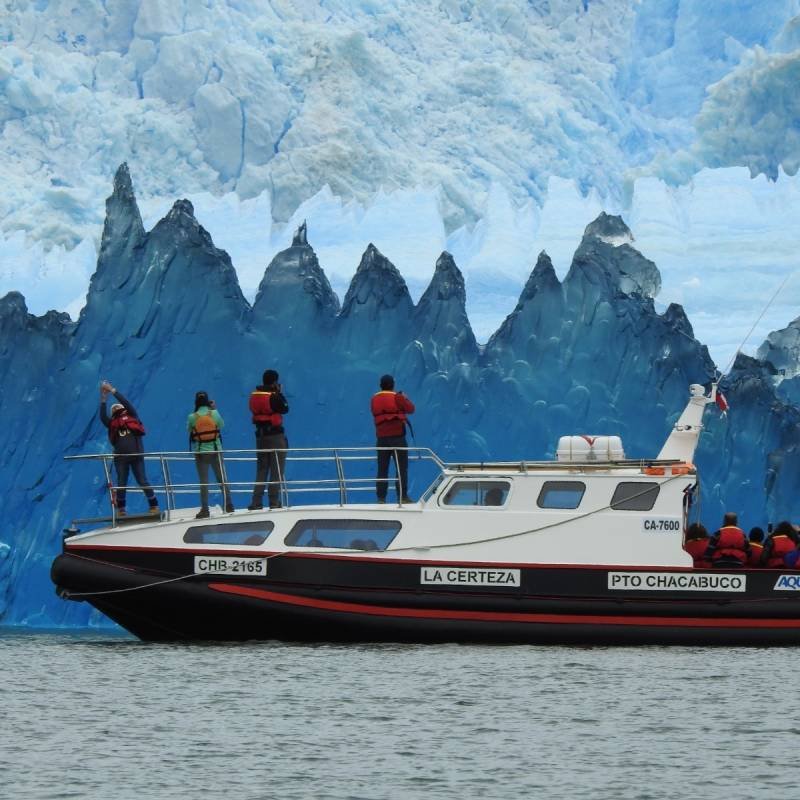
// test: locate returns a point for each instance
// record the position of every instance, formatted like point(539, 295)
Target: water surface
point(97, 715)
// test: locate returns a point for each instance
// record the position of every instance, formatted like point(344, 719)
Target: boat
point(583, 549)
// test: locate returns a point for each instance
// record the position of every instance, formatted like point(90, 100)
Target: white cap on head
point(117, 407)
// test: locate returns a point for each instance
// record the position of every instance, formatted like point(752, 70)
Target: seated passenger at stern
point(696, 544)
point(780, 543)
point(792, 558)
point(729, 546)
point(756, 546)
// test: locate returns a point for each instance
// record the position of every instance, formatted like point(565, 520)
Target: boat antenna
point(749, 333)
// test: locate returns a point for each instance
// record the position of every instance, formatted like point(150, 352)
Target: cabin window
point(250, 534)
point(561, 494)
point(432, 488)
point(347, 534)
point(634, 496)
point(477, 493)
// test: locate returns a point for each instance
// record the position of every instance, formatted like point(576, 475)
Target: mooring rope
point(71, 595)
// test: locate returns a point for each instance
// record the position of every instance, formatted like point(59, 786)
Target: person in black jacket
point(125, 432)
point(267, 407)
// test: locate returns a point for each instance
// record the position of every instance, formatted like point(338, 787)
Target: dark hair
point(731, 518)
point(785, 528)
point(200, 399)
point(756, 534)
point(696, 531)
point(387, 382)
point(269, 377)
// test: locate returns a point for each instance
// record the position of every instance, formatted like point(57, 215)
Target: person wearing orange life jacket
point(204, 425)
point(267, 406)
point(756, 537)
point(729, 546)
point(389, 410)
point(696, 544)
point(780, 543)
point(125, 432)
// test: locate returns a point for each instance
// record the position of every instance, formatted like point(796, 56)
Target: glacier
point(165, 316)
point(486, 130)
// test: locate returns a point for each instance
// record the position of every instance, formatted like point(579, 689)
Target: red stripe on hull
point(490, 616)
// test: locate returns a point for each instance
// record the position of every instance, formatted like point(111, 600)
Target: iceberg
point(165, 317)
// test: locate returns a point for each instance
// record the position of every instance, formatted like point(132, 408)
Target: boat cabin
point(582, 511)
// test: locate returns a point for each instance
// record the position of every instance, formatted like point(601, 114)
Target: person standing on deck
point(125, 432)
point(204, 425)
point(268, 405)
point(389, 410)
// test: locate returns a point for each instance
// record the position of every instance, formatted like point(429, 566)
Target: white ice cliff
point(444, 111)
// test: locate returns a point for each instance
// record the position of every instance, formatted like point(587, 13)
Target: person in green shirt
point(204, 425)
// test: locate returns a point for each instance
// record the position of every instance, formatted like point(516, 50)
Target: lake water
point(96, 715)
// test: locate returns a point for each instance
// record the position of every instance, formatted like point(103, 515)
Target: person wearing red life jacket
point(729, 546)
point(792, 558)
point(389, 410)
point(780, 543)
point(205, 425)
point(696, 544)
point(125, 432)
point(756, 537)
point(267, 406)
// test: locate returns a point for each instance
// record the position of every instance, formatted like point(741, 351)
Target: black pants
point(399, 458)
point(211, 459)
point(270, 467)
point(135, 464)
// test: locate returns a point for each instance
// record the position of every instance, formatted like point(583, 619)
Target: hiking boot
point(229, 509)
point(154, 510)
point(407, 499)
point(121, 512)
point(382, 500)
point(203, 513)
point(275, 505)
point(255, 507)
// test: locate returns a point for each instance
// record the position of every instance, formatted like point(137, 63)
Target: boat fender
point(676, 469)
point(654, 471)
point(682, 469)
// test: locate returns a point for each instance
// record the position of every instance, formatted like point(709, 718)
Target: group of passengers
point(730, 547)
point(267, 405)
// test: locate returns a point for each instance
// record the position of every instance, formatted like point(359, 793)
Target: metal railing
point(330, 472)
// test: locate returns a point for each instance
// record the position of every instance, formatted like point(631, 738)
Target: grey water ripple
point(95, 715)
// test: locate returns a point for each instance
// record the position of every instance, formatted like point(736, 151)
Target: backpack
point(205, 429)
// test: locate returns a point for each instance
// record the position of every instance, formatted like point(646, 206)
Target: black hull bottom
point(205, 608)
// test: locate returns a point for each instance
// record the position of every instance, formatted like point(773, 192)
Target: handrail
point(313, 457)
point(188, 455)
point(337, 482)
point(340, 476)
